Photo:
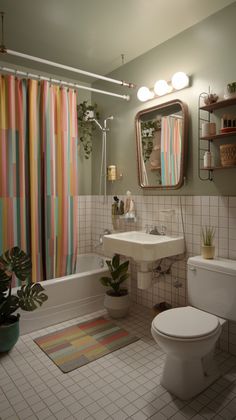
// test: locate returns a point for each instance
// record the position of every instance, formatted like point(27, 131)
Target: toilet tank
point(212, 286)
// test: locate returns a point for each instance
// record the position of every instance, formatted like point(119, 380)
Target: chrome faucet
point(155, 231)
point(105, 232)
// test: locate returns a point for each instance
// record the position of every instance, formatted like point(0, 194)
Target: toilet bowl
point(187, 336)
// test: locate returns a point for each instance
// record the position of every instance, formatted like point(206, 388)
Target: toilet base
point(187, 378)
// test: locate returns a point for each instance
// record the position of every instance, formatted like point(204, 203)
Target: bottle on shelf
point(208, 160)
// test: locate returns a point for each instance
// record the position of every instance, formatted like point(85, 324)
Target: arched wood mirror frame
point(153, 127)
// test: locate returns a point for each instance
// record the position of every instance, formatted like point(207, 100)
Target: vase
point(9, 334)
point(117, 306)
point(208, 252)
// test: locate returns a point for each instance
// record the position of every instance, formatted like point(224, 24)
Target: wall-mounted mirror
point(161, 137)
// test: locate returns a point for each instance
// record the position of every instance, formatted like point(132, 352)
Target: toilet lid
point(185, 322)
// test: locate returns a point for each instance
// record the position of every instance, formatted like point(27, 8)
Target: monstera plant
point(29, 297)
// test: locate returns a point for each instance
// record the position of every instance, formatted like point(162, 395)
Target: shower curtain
point(171, 148)
point(38, 174)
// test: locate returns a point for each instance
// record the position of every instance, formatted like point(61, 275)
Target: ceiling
point(92, 34)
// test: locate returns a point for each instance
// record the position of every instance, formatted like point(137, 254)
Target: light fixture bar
point(69, 68)
point(62, 82)
point(161, 88)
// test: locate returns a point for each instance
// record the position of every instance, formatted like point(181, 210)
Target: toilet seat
point(185, 323)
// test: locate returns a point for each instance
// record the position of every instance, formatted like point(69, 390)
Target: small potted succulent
point(116, 298)
point(208, 249)
point(29, 297)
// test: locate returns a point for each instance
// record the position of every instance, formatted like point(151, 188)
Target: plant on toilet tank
point(208, 249)
point(116, 298)
point(29, 297)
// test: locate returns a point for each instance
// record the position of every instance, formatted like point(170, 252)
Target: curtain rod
point(61, 82)
point(73, 69)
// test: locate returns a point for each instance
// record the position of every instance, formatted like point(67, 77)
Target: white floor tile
point(124, 384)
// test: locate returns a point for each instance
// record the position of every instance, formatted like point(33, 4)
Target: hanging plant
point(86, 125)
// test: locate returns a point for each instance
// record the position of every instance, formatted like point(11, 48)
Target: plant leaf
point(109, 265)
point(122, 269)
point(116, 261)
point(106, 281)
point(31, 297)
point(7, 307)
point(16, 261)
point(123, 278)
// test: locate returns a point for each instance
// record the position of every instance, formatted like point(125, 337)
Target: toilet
point(188, 334)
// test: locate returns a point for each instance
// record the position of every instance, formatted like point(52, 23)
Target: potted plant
point(86, 124)
point(208, 249)
point(29, 297)
point(116, 298)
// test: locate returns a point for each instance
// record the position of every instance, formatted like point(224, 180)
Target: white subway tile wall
point(94, 216)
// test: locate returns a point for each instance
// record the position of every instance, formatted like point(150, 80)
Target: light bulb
point(180, 80)
point(161, 87)
point(144, 94)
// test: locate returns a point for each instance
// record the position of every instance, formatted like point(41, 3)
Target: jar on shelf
point(208, 160)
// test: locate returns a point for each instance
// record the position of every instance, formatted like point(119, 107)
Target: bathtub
point(70, 296)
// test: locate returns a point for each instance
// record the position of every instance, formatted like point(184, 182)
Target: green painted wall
point(207, 53)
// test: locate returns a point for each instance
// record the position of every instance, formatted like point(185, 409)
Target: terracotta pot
point(117, 306)
point(208, 251)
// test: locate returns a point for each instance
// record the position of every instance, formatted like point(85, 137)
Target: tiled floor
point(122, 385)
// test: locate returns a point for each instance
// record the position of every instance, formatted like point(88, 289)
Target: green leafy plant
point(86, 126)
point(119, 273)
point(208, 233)
point(29, 297)
point(231, 87)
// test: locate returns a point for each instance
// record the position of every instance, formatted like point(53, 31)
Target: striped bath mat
point(80, 344)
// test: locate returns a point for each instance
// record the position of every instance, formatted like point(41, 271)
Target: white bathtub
point(70, 296)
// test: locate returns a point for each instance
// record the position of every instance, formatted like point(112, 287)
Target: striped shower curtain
point(38, 174)
point(171, 149)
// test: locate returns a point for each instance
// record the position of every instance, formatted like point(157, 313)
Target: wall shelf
point(204, 143)
point(218, 105)
point(220, 136)
point(216, 168)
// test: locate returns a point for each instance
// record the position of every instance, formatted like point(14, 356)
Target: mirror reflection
point(161, 139)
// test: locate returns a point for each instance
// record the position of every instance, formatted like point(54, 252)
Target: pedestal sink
point(142, 246)
point(144, 249)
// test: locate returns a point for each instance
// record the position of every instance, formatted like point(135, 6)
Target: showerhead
point(110, 117)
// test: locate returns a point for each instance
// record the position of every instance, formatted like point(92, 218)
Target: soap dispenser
point(129, 206)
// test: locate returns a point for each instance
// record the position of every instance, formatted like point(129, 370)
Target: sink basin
point(142, 246)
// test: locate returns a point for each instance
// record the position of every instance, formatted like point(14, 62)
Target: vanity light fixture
point(179, 81)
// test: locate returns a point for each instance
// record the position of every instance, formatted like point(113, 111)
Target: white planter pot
point(208, 252)
point(117, 306)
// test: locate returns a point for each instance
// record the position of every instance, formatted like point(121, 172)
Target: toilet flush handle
point(192, 268)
